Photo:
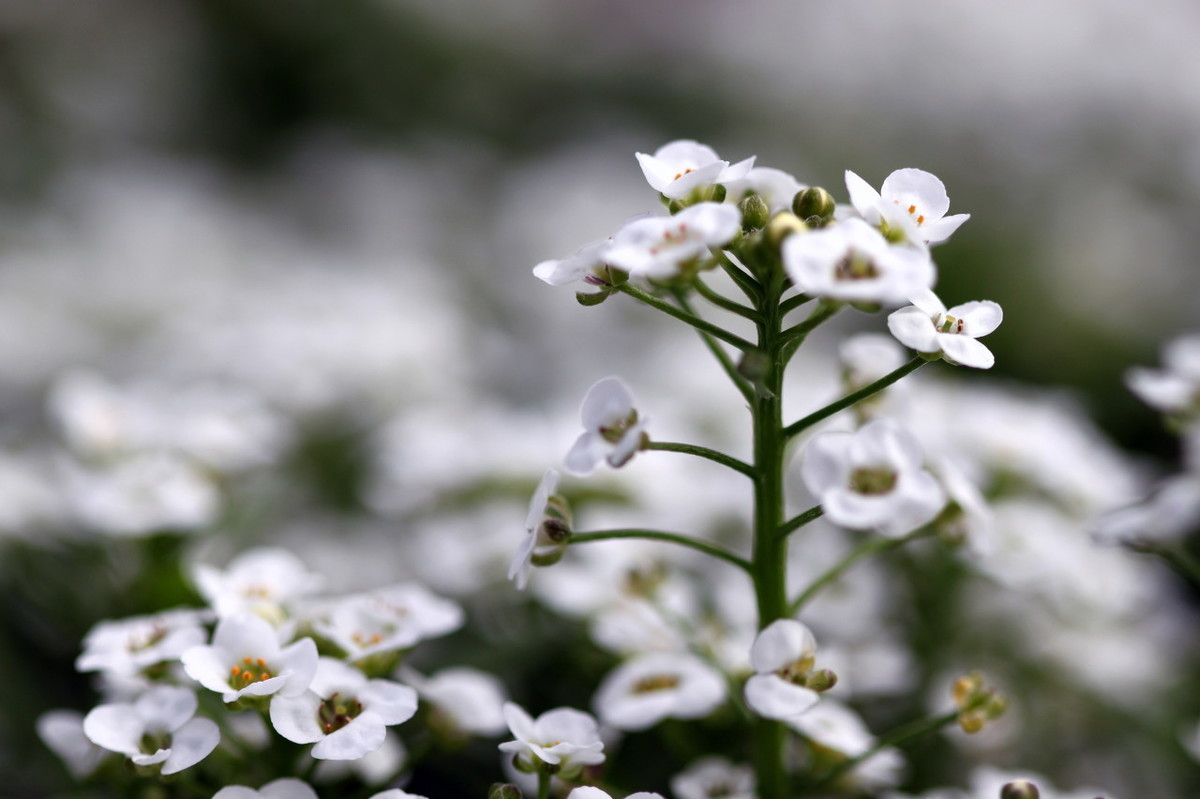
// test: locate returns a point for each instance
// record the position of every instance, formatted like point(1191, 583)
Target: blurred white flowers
point(658, 685)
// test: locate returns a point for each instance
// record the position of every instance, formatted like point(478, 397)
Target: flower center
point(797, 670)
point(336, 712)
point(687, 171)
point(855, 266)
point(616, 430)
point(872, 481)
point(912, 211)
point(945, 323)
point(671, 237)
point(655, 682)
point(250, 670)
point(144, 639)
point(154, 741)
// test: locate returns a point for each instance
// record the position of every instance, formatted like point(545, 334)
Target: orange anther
point(235, 671)
point(921, 219)
point(264, 676)
point(912, 209)
point(261, 663)
point(248, 661)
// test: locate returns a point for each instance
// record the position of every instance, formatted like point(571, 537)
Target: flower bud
point(590, 298)
point(971, 723)
point(1020, 789)
point(504, 790)
point(783, 225)
point(813, 202)
point(821, 680)
point(755, 212)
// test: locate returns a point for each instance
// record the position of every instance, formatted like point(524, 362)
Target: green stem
point(703, 452)
point(700, 545)
point(864, 550)
point(770, 549)
point(745, 281)
point(691, 319)
point(796, 522)
point(914, 729)
point(731, 370)
point(543, 789)
point(723, 302)
point(854, 397)
point(794, 302)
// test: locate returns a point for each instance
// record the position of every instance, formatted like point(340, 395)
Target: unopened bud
point(755, 212)
point(590, 298)
point(783, 225)
point(813, 202)
point(995, 707)
point(821, 680)
point(1020, 789)
point(971, 723)
point(504, 790)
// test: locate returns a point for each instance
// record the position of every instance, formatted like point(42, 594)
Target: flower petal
point(966, 351)
point(191, 743)
point(773, 697)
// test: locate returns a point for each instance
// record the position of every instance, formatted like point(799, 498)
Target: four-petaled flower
point(564, 740)
point(911, 206)
point(343, 713)
point(928, 327)
point(156, 729)
point(782, 657)
point(681, 167)
point(246, 660)
point(654, 686)
point(658, 247)
point(613, 432)
point(873, 478)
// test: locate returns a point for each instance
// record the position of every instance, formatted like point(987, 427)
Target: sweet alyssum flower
point(659, 247)
point(546, 526)
point(852, 261)
point(832, 725)
point(563, 737)
point(245, 659)
point(343, 713)
point(612, 430)
point(591, 792)
point(265, 581)
point(285, 788)
point(469, 700)
point(683, 166)
point(872, 478)
point(126, 647)
point(657, 685)
point(928, 327)
point(156, 729)
point(1176, 388)
point(576, 266)
point(388, 619)
point(62, 732)
point(782, 658)
point(714, 778)
point(911, 204)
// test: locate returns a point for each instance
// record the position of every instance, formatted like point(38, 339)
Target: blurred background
point(307, 230)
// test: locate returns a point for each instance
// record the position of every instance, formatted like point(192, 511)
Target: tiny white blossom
point(265, 581)
point(126, 647)
point(911, 198)
point(658, 247)
point(284, 788)
point(343, 713)
point(156, 728)
point(927, 327)
point(612, 430)
point(563, 737)
point(834, 726)
point(388, 619)
point(680, 167)
point(592, 792)
point(537, 536)
point(1175, 389)
point(782, 656)
point(471, 700)
point(852, 261)
point(245, 659)
point(574, 267)
point(872, 478)
point(62, 732)
point(393, 793)
point(657, 685)
point(714, 778)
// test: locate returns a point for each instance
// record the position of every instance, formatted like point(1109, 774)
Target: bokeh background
point(330, 210)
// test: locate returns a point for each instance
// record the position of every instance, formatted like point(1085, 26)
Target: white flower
point(612, 429)
point(245, 659)
point(539, 539)
point(872, 479)
point(927, 327)
point(62, 732)
point(714, 778)
point(284, 788)
point(657, 685)
point(591, 792)
point(393, 793)
point(469, 699)
point(563, 737)
point(853, 262)
point(865, 358)
point(833, 725)
point(388, 619)
point(157, 728)
point(343, 713)
point(1171, 512)
point(911, 198)
point(574, 267)
point(126, 647)
point(680, 167)
point(777, 188)
point(1176, 389)
point(782, 657)
point(657, 247)
point(264, 581)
